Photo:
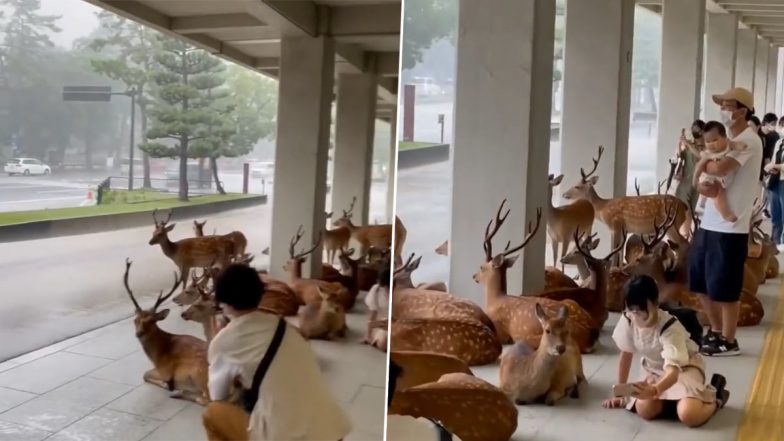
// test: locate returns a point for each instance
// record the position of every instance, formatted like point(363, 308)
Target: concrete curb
point(423, 156)
point(96, 224)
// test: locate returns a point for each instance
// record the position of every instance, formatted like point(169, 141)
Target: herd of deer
point(436, 335)
point(180, 361)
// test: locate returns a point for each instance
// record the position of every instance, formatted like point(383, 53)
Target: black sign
point(87, 93)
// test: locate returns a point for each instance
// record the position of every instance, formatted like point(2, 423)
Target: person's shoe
point(719, 383)
point(721, 348)
point(710, 338)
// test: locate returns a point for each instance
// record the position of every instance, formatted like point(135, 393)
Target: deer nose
point(561, 349)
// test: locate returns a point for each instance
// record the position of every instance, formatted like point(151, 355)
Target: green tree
point(424, 22)
point(132, 58)
point(181, 114)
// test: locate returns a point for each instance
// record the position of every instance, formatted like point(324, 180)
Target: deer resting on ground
point(548, 374)
point(325, 321)
point(473, 343)
point(180, 361)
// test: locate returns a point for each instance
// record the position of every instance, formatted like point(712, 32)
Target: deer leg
point(554, 247)
point(564, 249)
point(154, 377)
point(553, 396)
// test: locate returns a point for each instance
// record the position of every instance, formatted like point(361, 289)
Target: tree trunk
point(183, 169)
point(145, 156)
point(214, 167)
point(202, 177)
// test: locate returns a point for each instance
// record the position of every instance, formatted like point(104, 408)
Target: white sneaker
point(780, 247)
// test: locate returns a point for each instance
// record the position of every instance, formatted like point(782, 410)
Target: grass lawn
point(20, 217)
point(413, 145)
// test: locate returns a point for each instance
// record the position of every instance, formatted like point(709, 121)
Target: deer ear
point(169, 228)
point(416, 263)
point(161, 315)
point(498, 261)
point(593, 180)
point(557, 180)
point(540, 314)
point(509, 261)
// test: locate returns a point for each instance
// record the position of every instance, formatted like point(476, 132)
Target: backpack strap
point(252, 394)
point(443, 434)
point(667, 324)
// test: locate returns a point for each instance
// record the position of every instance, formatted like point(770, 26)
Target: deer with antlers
point(193, 252)
point(179, 361)
point(378, 236)
point(563, 221)
point(308, 290)
point(630, 213)
point(238, 239)
point(335, 240)
point(515, 316)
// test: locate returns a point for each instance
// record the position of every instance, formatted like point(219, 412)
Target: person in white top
point(719, 248)
point(672, 375)
point(377, 301)
point(294, 402)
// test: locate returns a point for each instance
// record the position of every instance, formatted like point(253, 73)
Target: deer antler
point(162, 223)
point(673, 168)
point(406, 264)
point(660, 230)
point(495, 224)
point(531, 232)
point(166, 297)
point(295, 240)
point(637, 186)
point(595, 164)
point(127, 287)
point(350, 211)
point(580, 246)
point(661, 184)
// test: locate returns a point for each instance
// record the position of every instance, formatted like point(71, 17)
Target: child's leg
point(723, 207)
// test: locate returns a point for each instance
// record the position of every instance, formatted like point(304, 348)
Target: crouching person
point(284, 394)
point(673, 371)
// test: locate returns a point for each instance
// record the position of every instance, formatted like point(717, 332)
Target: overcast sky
point(78, 19)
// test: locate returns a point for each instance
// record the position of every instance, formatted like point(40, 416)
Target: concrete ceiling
point(764, 16)
point(249, 32)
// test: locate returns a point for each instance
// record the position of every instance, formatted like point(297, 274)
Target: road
point(57, 288)
point(20, 193)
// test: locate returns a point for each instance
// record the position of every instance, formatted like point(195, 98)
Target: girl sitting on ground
point(673, 371)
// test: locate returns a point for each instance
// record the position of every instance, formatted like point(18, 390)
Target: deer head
point(555, 333)
point(345, 220)
point(146, 321)
point(299, 258)
point(587, 244)
point(192, 292)
point(330, 302)
point(586, 251)
point(347, 264)
point(402, 274)
point(198, 228)
point(503, 260)
point(162, 229)
point(654, 258)
point(202, 309)
point(584, 188)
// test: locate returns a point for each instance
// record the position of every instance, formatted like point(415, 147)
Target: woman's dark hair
point(240, 287)
point(698, 123)
point(781, 121)
point(640, 290)
point(394, 371)
point(769, 118)
point(750, 116)
point(384, 276)
point(715, 125)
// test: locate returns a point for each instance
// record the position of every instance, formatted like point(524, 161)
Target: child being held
point(717, 146)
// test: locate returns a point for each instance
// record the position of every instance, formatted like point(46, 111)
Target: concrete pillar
point(780, 83)
point(773, 65)
point(683, 23)
point(745, 60)
point(720, 49)
point(761, 77)
point(354, 132)
point(501, 135)
point(597, 69)
point(300, 187)
point(392, 167)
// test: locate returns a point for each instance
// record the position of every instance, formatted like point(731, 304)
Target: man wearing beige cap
point(719, 247)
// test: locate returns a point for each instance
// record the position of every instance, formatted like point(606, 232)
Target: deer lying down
point(548, 373)
point(180, 361)
point(425, 367)
point(324, 321)
point(471, 342)
point(468, 407)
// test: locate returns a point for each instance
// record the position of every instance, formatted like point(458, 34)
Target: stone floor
point(89, 388)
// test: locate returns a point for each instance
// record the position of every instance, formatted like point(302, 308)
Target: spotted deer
point(548, 374)
point(563, 221)
point(425, 367)
point(194, 252)
point(325, 321)
point(335, 240)
point(454, 400)
point(179, 361)
point(238, 239)
point(472, 342)
point(308, 290)
point(630, 213)
point(616, 277)
point(514, 316)
point(379, 236)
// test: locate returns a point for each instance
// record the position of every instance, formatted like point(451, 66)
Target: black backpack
point(689, 320)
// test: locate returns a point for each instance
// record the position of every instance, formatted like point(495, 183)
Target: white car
point(26, 166)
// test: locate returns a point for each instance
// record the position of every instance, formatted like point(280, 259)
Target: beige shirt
point(295, 403)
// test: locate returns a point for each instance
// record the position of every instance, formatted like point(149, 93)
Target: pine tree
point(181, 113)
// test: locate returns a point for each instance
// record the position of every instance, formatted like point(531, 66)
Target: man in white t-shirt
point(719, 248)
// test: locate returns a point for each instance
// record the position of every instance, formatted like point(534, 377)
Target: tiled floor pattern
point(90, 388)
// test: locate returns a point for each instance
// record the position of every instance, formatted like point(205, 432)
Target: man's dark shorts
point(716, 262)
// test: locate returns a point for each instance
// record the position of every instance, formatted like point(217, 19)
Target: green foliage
point(425, 22)
point(120, 197)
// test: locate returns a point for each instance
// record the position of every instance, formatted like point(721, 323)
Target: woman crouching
point(673, 371)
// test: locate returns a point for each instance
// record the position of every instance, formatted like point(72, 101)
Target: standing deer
point(236, 238)
point(378, 236)
point(563, 221)
point(630, 213)
point(335, 240)
point(548, 374)
point(514, 317)
point(193, 252)
point(180, 361)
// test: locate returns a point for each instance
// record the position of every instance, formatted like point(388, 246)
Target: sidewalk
point(90, 388)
